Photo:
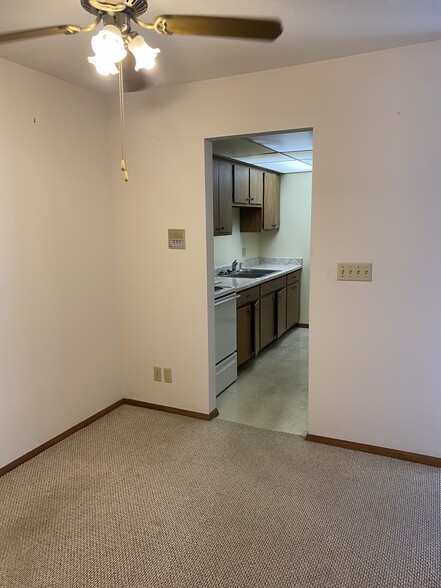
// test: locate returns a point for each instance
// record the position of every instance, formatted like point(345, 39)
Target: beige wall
point(59, 358)
point(293, 237)
point(374, 348)
point(227, 248)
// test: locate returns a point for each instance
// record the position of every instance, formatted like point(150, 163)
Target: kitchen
point(261, 260)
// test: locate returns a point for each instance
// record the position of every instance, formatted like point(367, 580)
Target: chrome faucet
point(234, 265)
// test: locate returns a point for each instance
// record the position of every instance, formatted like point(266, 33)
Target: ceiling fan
point(111, 43)
point(116, 40)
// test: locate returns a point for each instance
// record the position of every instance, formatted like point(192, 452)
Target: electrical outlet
point(244, 251)
point(354, 272)
point(167, 375)
point(157, 374)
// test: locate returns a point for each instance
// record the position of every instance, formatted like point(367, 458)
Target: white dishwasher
point(226, 342)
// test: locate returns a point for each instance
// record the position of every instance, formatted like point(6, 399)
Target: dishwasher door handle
point(226, 299)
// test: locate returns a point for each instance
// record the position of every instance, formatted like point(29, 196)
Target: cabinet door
point(271, 202)
point(268, 332)
point(245, 341)
point(293, 304)
point(225, 197)
point(241, 193)
point(256, 325)
point(256, 186)
point(281, 312)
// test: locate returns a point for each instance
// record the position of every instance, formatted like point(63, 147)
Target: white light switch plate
point(354, 272)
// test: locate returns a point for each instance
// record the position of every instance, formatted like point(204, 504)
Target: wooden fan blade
point(134, 81)
point(35, 33)
point(218, 26)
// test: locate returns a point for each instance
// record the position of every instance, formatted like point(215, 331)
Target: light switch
point(176, 238)
point(354, 272)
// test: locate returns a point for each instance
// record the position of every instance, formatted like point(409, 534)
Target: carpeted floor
point(148, 499)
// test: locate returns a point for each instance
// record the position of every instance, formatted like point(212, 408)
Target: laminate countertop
point(243, 283)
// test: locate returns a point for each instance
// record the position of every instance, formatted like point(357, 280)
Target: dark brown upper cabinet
point(248, 186)
point(267, 217)
point(222, 197)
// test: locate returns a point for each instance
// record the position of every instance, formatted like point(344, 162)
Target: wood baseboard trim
point(384, 451)
point(27, 456)
point(181, 411)
point(303, 325)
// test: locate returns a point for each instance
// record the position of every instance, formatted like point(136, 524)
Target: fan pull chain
point(122, 123)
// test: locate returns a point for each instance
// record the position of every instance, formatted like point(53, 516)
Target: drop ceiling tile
point(265, 158)
point(297, 141)
point(288, 167)
point(238, 148)
point(302, 155)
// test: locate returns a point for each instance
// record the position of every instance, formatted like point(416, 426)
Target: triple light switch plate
point(354, 272)
point(176, 238)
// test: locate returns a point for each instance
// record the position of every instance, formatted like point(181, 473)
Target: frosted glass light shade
point(108, 46)
point(144, 55)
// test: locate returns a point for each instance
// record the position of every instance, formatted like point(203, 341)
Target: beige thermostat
point(176, 238)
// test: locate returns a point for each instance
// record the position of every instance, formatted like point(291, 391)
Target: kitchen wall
point(374, 348)
point(291, 240)
point(227, 248)
point(59, 356)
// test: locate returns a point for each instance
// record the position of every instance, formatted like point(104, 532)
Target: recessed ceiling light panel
point(265, 158)
point(289, 167)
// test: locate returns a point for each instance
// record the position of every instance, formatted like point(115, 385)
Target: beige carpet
point(147, 499)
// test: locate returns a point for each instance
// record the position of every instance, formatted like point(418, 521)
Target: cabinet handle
point(275, 224)
point(222, 228)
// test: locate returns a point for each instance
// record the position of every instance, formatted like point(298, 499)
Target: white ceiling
point(314, 30)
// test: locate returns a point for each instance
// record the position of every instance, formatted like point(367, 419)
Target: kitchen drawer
point(294, 277)
point(248, 296)
point(272, 286)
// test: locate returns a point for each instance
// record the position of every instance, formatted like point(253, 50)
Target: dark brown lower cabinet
point(248, 325)
point(268, 331)
point(244, 334)
point(293, 304)
point(265, 312)
point(281, 312)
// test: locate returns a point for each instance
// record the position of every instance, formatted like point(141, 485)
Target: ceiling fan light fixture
point(144, 55)
point(108, 46)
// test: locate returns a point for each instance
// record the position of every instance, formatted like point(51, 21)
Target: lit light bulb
point(103, 66)
point(144, 55)
point(108, 46)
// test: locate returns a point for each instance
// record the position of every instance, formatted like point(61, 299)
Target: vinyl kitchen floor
point(271, 391)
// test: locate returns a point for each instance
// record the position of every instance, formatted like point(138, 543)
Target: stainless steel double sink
point(248, 273)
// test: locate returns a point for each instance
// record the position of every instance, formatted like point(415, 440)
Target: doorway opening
point(262, 192)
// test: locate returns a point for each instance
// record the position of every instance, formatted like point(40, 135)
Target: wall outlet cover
point(157, 374)
point(167, 375)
